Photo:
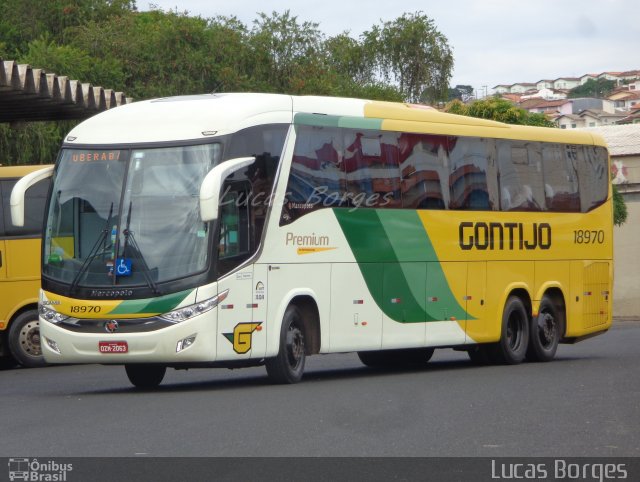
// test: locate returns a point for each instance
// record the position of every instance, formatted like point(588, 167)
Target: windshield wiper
point(130, 239)
point(93, 253)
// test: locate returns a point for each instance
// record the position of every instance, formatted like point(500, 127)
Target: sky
point(493, 41)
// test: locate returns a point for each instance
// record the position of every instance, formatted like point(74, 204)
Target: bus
point(20, 271)
point(233, 230)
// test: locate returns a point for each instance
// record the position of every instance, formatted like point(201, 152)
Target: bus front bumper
point(190, 341)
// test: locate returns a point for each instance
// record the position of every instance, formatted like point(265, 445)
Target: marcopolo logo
point(38, 471)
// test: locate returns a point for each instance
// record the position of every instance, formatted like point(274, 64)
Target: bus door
point(236, 326)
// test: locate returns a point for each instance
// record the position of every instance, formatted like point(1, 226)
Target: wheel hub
point(30, 338)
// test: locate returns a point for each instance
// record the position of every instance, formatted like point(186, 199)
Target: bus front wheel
point(288, 365)
point(24, 340)
point(145, 376)
point(514, 338)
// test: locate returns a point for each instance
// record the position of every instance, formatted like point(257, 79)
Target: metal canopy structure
point(28, 94)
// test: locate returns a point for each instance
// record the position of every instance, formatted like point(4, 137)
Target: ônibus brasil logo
point(33, 470)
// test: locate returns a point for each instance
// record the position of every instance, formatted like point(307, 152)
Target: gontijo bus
point(243, 229)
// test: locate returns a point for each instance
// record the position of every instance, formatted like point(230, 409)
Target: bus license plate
point(113, 347)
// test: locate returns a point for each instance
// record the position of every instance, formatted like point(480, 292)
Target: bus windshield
point(127, 217)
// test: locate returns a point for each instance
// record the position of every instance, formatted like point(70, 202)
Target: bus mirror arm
point(212, 185)
point(19, 190)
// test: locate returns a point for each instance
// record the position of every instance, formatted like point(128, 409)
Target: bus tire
point(403, 358)
point(288, 365)
point(24, 340)
point(514, 337)
point(145, 376)
point(545, 332)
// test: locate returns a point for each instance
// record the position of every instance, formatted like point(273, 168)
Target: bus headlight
point(51, 315)
point(186, 312)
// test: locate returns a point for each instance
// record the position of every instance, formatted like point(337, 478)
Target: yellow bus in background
point(20, 271)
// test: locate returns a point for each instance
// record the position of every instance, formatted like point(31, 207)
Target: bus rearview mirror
point(212, 185)
point(19, 190)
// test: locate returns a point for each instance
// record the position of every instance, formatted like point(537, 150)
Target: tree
point(619, 208)
point(287, 53)
point(498, 109)
point(461, 92)
point(412, 54)
point(592, 88)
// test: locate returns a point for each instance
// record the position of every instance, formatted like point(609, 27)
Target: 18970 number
point(585, 236)
point(85, 309)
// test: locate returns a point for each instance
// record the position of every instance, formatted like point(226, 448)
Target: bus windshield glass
point(128, 217)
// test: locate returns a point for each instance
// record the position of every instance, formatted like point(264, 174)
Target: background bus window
point(372, 169)
point(520, 176)
point(472, 174)
point(560, 180)
point(35, 199)
point(316, 179)
point(424, 166)
point(593, 175)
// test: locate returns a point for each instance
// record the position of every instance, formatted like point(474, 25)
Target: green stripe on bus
point(163, 304)
point(396, 257)
point(321, 120)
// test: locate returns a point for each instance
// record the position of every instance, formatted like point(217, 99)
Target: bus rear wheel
point(405, 358)
point(545, 333)
point(514, 338)
point(288, 365)
point(145, 376)
point(24, 340)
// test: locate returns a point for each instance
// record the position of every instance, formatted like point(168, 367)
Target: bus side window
point(560, 180)
point(424, 165)
point(234, 239)
point(520, 176)
point(472, 173)
point(592, 166)
point(316, 179)
point(372, 168)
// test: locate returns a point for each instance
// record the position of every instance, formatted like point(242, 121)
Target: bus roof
point(196, 117)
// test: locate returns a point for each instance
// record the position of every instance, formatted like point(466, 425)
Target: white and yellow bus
point(244, 229)
point(20, 271)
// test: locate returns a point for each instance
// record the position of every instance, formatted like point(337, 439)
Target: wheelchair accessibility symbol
point(123, 267)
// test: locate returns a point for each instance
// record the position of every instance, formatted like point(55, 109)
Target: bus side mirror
point(17, 194)
point(212, 184)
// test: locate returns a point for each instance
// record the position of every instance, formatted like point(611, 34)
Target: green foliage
point(410, 52)
point(619, 208)
point(31, 142)
point(156, 54)
point(498, 109)
point(592, 88)
point(460, 92)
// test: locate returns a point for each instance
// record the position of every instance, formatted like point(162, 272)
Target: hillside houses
point(549, 97)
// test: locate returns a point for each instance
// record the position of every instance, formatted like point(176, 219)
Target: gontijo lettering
point(504, 236)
